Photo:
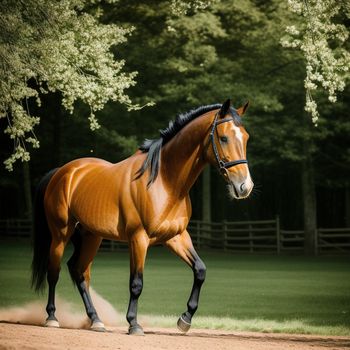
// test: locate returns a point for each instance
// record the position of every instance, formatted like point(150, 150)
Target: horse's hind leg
point(56, 252)
point(85, 249)
point(182, 246)
point(60, 236)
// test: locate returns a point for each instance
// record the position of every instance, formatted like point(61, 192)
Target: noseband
point(223, 166)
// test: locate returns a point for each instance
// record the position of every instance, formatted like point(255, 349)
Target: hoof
point(136, 330)
point(183, 325)
point(98, 326)
point(52, 323)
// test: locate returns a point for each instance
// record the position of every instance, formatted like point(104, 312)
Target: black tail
point(41, 235)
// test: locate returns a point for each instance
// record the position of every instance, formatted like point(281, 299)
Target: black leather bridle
point(223, 166)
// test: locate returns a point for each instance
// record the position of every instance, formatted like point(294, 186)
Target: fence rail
point(20, 228)
point(238, 236)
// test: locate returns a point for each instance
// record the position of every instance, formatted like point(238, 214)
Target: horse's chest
point(164, 215)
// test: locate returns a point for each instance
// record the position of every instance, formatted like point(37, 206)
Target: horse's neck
point(182, 158)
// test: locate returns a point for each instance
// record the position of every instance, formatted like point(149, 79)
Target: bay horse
point(143, 200)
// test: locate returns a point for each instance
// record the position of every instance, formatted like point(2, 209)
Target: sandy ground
point(20, 328)
point(17, 336)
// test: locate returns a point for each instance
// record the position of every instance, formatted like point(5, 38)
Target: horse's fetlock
point(93, 315)
point(192, 306)
point(50, 309)
point(131, 317)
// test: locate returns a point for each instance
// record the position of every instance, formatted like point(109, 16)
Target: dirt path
point(15, 336)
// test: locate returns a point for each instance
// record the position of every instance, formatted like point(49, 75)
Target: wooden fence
point(239, 236)
point(19, 228)
point(263, 236)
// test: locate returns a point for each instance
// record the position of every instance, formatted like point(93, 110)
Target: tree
point(201, 58)
point(231, 49)
point(48, 46)
point(321, 35)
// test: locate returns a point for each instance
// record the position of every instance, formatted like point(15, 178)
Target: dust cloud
point(34, 313)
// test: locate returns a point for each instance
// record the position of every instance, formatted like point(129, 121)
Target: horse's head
point(228, 139)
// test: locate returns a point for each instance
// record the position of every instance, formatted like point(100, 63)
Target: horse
point(142, 200)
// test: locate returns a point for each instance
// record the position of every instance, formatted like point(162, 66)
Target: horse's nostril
point(242, 187)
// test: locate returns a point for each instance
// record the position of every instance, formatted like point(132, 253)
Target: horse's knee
point(136, 285)
point(200, 271)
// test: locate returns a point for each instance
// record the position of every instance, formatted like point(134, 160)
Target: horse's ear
point(225, 108)
point(241, 110)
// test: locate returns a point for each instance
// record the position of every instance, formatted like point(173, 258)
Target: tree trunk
point(27, 191)
point(309, 201)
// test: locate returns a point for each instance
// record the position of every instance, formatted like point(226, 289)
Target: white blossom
point(64, 49)
point(181, 7)
point(322, 43)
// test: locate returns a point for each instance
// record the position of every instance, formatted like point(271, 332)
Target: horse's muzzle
point(240, 190)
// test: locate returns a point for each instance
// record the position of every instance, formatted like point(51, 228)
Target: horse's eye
point(223, 139)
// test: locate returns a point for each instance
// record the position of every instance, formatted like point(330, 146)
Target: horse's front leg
point(182, 246)
point(138, 245)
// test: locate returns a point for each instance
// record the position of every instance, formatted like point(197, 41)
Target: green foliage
point(182, 7)
point(187, 53)
point(322, 39)
point(110, 139)
point(56, 46)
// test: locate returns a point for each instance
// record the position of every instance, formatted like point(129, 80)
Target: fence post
point(278, 235)
point(316, 241)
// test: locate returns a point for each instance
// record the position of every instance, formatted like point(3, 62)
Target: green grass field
point(293, 294)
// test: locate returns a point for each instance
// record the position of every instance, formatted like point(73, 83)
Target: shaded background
point(231, 50)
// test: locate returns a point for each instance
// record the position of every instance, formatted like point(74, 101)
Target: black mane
point(153, 147)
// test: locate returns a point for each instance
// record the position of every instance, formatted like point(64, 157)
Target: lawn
point(294, 294)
